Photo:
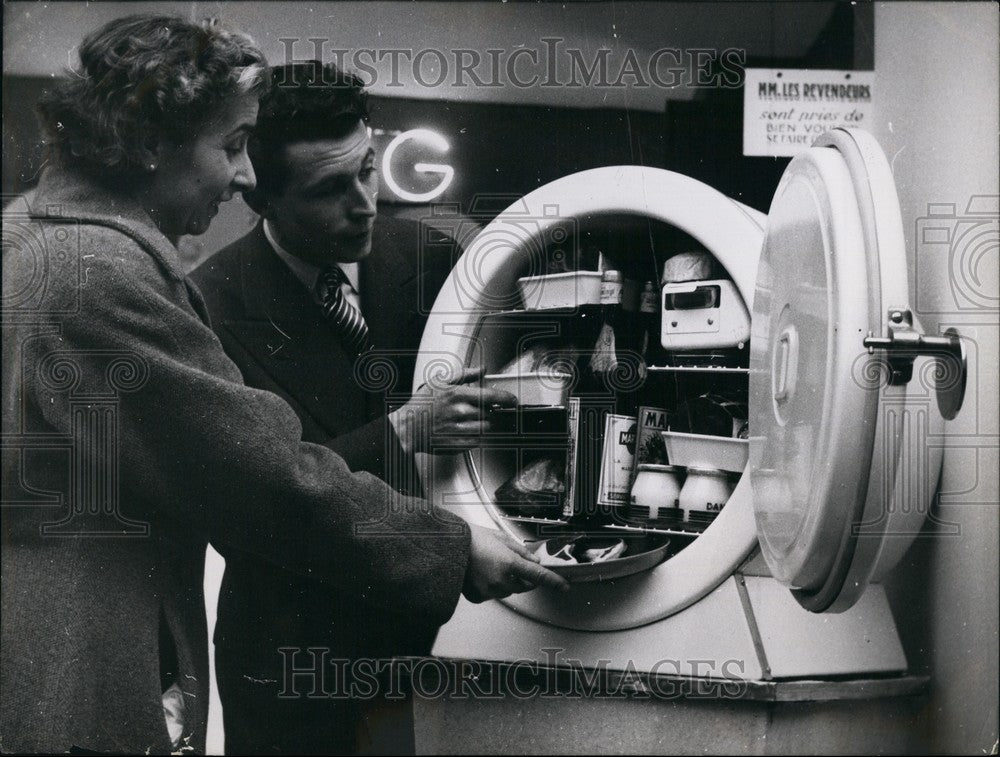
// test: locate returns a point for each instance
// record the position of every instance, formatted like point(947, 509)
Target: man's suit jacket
point(272, 328)
point(274, 331)
point(117, 395)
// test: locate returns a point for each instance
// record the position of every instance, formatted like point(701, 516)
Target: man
point(300, 304)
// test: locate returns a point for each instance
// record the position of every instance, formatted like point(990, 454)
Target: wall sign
point(784, 109)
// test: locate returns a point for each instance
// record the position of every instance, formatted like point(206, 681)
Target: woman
point(130, 439)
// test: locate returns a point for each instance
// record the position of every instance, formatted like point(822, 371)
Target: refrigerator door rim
point(892, 500)
point(732, 232)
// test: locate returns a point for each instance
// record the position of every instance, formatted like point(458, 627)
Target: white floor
point(214, 566)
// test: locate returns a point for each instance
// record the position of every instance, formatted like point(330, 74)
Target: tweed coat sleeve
point(201, 449)
point(364, 448)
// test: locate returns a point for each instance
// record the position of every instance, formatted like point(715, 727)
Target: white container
point(656, 487)
point(545, 388)
point(703, 314)
point(704, 494)
point(560, 290)
point(703, 451)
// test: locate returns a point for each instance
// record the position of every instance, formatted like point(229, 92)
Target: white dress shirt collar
point(308, 273)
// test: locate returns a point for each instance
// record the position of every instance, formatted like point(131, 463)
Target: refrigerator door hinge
point(904, 344)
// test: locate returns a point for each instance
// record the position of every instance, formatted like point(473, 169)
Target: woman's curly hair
point(143, 78)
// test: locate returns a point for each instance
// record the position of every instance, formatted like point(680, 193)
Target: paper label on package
point(785, 109)
point(649, 446)
point(617, 460)
point(573, 423)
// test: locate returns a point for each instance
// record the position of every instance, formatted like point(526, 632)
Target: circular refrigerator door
point(485, 280)
point(842, 463)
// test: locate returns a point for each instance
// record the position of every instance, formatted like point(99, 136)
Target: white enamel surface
point(907, 454)
point(843, 466)
point(807, 425)
point(485, 279)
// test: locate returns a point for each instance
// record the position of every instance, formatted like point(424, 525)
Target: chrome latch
point(904, 344)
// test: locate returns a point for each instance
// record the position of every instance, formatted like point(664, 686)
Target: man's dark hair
point(306, 101)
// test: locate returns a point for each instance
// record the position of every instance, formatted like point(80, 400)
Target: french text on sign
point(784, 110)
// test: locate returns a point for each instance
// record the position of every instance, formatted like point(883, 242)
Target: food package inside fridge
point(536, 489)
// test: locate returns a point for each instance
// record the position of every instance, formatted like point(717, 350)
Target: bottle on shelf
point(641, 395)
point(645, 394)
point(655, 496)
point(617, 461)
point(601, 490)
point(604, 359)
point(704, 494)
point(649, 315)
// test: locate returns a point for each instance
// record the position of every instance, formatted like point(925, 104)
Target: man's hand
point(499, 566)
point(448, 414)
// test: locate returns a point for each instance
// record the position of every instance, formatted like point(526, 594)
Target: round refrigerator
point(842, 399)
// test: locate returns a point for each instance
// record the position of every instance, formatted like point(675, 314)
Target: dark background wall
point(502, 148)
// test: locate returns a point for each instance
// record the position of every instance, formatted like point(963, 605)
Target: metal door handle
point(904, 344)
point(786, 366)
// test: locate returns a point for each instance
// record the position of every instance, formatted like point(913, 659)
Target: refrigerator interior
point(683, 383)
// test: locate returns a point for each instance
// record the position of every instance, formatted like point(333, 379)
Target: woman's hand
point(499, 566)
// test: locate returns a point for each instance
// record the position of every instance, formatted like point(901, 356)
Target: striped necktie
point(341, 314)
